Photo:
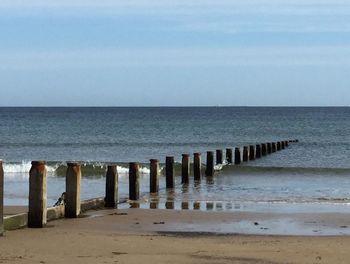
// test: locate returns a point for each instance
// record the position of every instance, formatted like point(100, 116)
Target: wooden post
point(111, 199)
point(237, 156)
point(258, 151)
point(185, 168)
point(197, 205)
point(287, 143)
point(245, 153)
point(169, 172)
point(219, 156)
point(273, 146)
point(184, 206)
point(1, 199)
point(73, 179)
point(209, 170)
point(269, 148)
point(154, 176)
point(37, 214)
point(282, 145)
point(278, 146)
point(134, 181)
point(169, 204)
point(251, 152)
point(153, 205)
point(197, 164)
point(229, 155)
point(263, 149)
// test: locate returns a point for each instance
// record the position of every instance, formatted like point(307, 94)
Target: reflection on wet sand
point(134, 204)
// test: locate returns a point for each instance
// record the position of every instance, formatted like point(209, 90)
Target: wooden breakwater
point(71, 205)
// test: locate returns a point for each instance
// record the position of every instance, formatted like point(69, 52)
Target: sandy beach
point(155, 236)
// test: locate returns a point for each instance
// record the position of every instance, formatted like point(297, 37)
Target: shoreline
point(153, 236)
point(207, 222)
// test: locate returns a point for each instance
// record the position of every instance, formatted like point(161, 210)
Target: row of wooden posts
point(37, 213)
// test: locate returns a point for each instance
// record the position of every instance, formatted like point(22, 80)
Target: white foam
point(21, 170)
point(23, 167)
point(219, 167)
point(124, 170)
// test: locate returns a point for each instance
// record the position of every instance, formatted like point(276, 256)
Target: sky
point(174, 53)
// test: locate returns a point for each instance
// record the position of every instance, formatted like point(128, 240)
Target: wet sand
point(171, 236)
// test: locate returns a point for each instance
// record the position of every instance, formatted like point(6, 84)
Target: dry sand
point(151, 236)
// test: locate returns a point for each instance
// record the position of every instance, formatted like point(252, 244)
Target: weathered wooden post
point(153, 205)
point(72, 198)
point(1, 199)
point(169, 172)
point(154, 176)
point(219, 156)
point(245, 153)
point(278, 146)
point(287, 143)
point(282, 145)
point(251, 152)
point(269, 148)
point(229, 155)
point(134, 181)
point(184, 205)
point(263, 149)
point(237, 156)
point(185, 168)
point(37, 214)
point(111, 199)
point(209, 170)
point(258, 151)
point(197, 205)
point(197, 166)
point(169, 204)
point(273, 146)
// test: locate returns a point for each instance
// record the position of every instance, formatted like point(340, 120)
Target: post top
point(197, 153)
point(133, 163)
point(154, 160)
point(185, 155)
point(72, 163)
point(38, 162)
point(169, 157)
point(111, 165)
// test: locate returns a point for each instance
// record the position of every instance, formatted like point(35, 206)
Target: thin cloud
point(224, 16)
point(181, 7)
point(126, 58)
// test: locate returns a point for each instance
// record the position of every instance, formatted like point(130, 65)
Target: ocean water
point(313, 172)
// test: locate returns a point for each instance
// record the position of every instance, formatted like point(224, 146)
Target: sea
point(310, 175)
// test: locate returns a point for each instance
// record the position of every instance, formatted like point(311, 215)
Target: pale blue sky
point(160, 52)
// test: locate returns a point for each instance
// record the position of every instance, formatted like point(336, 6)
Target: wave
point(58, 168)
point(21, 170)
point(243, 169)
